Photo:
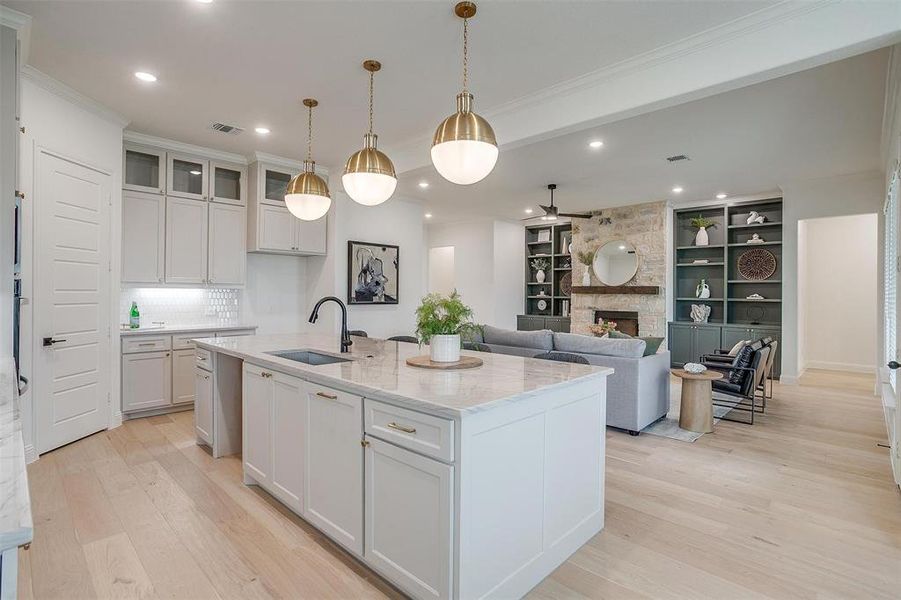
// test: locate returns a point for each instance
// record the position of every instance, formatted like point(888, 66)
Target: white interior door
point(71, 301)
point(891, 387)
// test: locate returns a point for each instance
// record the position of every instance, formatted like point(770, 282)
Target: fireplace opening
point(626, 320)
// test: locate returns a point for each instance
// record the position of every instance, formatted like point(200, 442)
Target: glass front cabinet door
point(144, 169)
point(228, 183)
point(275, 184)
point(187, 176)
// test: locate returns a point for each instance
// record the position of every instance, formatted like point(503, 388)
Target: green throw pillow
point(652, 344)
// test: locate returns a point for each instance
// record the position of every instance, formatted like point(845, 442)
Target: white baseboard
point(838, 366)
point(31, 454)
point(789, 379)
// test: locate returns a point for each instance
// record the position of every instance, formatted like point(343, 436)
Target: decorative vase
point(539, 276)
point(701, 238)
point(703, 290)
point(444, 348)
point(586, 278)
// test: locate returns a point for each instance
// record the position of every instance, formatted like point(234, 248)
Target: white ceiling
point(816, 123)
point(248, 63)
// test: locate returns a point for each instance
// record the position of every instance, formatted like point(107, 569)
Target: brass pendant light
point(464, 149)
point(307, 196)
point(369, 177)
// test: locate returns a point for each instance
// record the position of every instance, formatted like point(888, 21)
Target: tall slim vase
point(701, 239)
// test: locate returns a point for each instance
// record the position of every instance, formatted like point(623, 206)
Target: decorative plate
point(542, 304)
point(566, 284)
point(757, 264)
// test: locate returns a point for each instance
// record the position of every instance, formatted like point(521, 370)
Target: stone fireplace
point(644, 226)
point(626, 320)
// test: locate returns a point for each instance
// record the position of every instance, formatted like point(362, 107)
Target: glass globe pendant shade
point(369, 177)
point(464, 149)
point(307, 196)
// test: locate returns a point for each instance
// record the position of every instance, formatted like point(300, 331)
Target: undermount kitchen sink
point(309, 357)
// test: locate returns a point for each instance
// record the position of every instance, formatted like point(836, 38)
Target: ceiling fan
point(551, 212)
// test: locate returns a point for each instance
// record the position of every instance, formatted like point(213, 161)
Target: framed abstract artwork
point(372, 273)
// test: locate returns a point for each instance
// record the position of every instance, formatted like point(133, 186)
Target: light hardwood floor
point(801, 505)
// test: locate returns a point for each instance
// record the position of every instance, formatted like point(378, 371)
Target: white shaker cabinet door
point(288, 416)
point(203, 406)
point(276, 229)
point(256, 434)
point(186, 241)
point(146, 380)
point(311, 236)
point(143, 237)
point(228, 252)
point(333, 478)
point(183, 376)
point(409, 519)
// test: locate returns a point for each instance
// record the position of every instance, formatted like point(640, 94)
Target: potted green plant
point(440, 321)
point(703, 224)
point(540, 265)
point(586, 257)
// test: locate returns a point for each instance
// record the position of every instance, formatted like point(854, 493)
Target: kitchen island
point(474, 483)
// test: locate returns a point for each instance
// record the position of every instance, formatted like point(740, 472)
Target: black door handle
point(893, 364)
point(49, 341)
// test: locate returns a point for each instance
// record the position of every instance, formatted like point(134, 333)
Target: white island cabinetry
point(468, 484)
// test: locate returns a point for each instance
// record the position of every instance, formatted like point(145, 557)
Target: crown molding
point(286, 162)
point(22, 24)
point(777, 40)
point(63, 91)
point(160, 142)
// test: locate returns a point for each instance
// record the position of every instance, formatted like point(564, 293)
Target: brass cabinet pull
point(265, 374)
point(329, 396)
point(403, 428)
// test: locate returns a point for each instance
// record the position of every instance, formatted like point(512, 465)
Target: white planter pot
point(539, 276)
point(701, 239)
point(444, 348)
point(586, 277)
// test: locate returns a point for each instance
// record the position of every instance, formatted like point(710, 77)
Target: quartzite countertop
point(378, 370)
point(16, 527)
point(169, 329)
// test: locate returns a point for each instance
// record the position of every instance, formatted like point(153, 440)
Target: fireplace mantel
point(652, 290)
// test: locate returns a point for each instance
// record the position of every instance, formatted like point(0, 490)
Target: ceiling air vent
point(223, 128)
point(677, 158)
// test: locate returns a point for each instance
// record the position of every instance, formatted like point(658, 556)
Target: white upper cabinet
point(227, 251)
point(228, 183)
point(276, 229)
point(310, 236)
point(270, 182)
point(187, 176)
point(144, 169)
point(143, 237)
point(186, 241)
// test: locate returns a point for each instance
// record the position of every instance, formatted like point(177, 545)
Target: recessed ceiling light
point(720, 196)
point(144, 76)
point(428, 215)
point(622, 247)
point(529, 211)
point(595, 144)
point(423, 184)
point(195, 172)
point(262, 130)
point(677, 190)
point(205, 1)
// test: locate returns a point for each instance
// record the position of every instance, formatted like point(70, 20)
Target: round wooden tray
point(424, 362)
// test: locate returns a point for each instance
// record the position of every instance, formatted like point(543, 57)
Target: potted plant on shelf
point(703, 224)
point(440, 321)
point(586, 257)
point(540, 265)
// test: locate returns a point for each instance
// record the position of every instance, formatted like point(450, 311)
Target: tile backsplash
point(182, 306)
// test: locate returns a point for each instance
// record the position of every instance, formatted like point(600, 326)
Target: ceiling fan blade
point(576, 215)
point(547, 209)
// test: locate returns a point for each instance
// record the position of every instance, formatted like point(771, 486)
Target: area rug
point(668, 426)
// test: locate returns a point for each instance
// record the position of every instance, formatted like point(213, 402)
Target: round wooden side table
point(696, 411)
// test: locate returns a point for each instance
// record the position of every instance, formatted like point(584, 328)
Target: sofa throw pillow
point(608, 346)
point(541, 340)
point(738, 346)
point(652, 345)
point(619, 335)
point(742, 359)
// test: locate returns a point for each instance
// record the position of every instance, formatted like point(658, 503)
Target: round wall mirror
point(615, 263)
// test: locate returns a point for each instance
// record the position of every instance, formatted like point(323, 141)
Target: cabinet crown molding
point(285, 162)
point(182, 147)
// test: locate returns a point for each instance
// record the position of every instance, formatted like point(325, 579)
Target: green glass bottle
point(134, 317)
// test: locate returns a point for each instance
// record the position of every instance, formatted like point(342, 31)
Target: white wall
point(397, 222)
point(854, 194)
point(837, 285)
point(59, 119)
point(441, 270)
point(488, 267)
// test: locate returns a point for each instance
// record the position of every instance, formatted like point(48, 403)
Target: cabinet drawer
point(146, 343)
point(234, 333)
point(203, 358)
point(432, 436)
point(182, 341)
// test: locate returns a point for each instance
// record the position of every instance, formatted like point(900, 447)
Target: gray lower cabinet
point(732, 334)
point(537, 322)
point(689, 341)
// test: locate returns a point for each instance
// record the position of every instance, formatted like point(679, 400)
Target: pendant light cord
point(371, 84)
point(310, 134)
point(465, 56)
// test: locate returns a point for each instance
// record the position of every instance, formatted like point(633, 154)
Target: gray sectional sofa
point(637, 392)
